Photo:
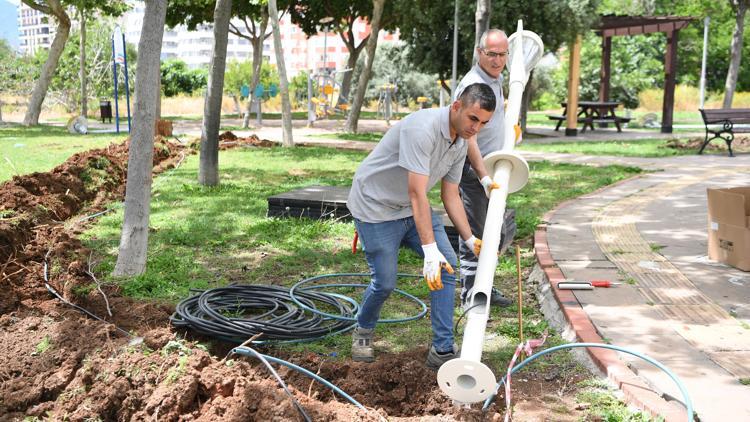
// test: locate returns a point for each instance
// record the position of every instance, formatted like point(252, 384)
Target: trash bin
point(105, 110)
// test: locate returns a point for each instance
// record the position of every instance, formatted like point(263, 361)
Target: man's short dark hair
point(481, 93)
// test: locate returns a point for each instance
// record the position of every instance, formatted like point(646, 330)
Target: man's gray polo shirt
point(490, 138)
point(419, 143)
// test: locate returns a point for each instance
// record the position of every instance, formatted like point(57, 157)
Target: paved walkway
point(680, 308)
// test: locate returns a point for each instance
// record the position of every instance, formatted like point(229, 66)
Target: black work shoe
point(497, 299)
point(435, 360)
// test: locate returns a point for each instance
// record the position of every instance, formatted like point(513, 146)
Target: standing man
point(388, 201)
point(475, 182)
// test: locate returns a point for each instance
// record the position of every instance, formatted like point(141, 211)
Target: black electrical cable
point(73, 305)
point(238, 312)
point(281, 382)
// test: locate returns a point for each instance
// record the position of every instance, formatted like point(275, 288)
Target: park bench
point(720, 123)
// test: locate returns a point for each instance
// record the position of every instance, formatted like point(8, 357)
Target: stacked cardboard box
point(729, 226)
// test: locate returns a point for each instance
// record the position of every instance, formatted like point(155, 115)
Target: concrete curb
point(635, 390)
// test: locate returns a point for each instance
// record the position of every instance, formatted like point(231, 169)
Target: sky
point(9, 22)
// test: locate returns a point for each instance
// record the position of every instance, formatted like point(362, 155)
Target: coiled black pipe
point(238, 312)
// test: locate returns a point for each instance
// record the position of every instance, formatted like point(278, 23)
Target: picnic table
point(590, 112)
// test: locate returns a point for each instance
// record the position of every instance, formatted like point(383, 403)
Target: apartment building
point(35, 29)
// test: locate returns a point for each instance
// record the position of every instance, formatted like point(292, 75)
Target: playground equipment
point(258, 97)
point(387, 97)
point(321, 105)
point(466, 379)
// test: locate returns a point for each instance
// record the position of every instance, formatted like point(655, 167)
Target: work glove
point(488, 184)
point(434, 262)
point(474, 244)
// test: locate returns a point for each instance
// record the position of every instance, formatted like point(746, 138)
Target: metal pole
point(325, 50)
point(114, 75)
point(127, 88)
point(455, 50)
point(310, 111)
point(706, 21)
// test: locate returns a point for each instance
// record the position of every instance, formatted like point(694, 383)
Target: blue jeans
point(381, 242)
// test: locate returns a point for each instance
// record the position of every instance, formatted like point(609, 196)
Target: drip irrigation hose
point(688, 403)
point(246, 352)
point(73, 305)
point(210, 313)
point(252, 352)
point(298, 287)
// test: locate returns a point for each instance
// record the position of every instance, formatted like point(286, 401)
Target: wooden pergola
point(611, 26)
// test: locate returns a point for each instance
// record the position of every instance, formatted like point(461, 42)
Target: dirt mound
point(56, 363)
point(229, 140)
point(740, 143)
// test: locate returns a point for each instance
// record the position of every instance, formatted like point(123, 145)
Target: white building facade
point(35, 30)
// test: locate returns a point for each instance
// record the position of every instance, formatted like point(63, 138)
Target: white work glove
point(434, 262)
point(488, 184)
point(474, 244)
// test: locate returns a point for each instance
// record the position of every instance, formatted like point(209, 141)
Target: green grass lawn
point(346, 136)
point(25, 150)
point(635, 148)
point(205, 237)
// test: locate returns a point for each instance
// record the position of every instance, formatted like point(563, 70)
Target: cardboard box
point(729, 226)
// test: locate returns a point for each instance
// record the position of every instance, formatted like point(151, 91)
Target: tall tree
point(256, 34)
point(209, 159)
point(112, 8)
point(739, 7)
point(131, 259)
point(343, 14)
point(55, 9)
point(428, 41)
point(286, 105)
point(372, 44)
point(482, 18)
point(253, 16)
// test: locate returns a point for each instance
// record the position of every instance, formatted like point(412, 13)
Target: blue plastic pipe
point(680, 385)
point(245, 352)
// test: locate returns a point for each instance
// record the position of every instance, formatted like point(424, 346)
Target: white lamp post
point(466, 379)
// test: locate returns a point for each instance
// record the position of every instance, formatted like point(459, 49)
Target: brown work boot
point(435, 360)
point(362, 347)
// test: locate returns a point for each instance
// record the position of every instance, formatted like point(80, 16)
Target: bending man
point(389, 203)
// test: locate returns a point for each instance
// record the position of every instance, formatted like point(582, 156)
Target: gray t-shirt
point(490, 138)
point(419, 143)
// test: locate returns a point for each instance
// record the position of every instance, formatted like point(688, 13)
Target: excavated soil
point(57, 364)
point(741, 143)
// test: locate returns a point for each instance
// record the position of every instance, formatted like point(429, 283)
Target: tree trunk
point(84, 94)
point(131, 259)
point(237, 106)
point(48, 70)
point(364, 78)
point(286, 105)
point(208, 173)
point(257, 62)
point(351, 62)
point(740, 7)
point(482, 19)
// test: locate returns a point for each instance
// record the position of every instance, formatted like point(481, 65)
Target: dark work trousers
point(475, 204)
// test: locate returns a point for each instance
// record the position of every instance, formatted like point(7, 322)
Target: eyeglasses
point(492, 54)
